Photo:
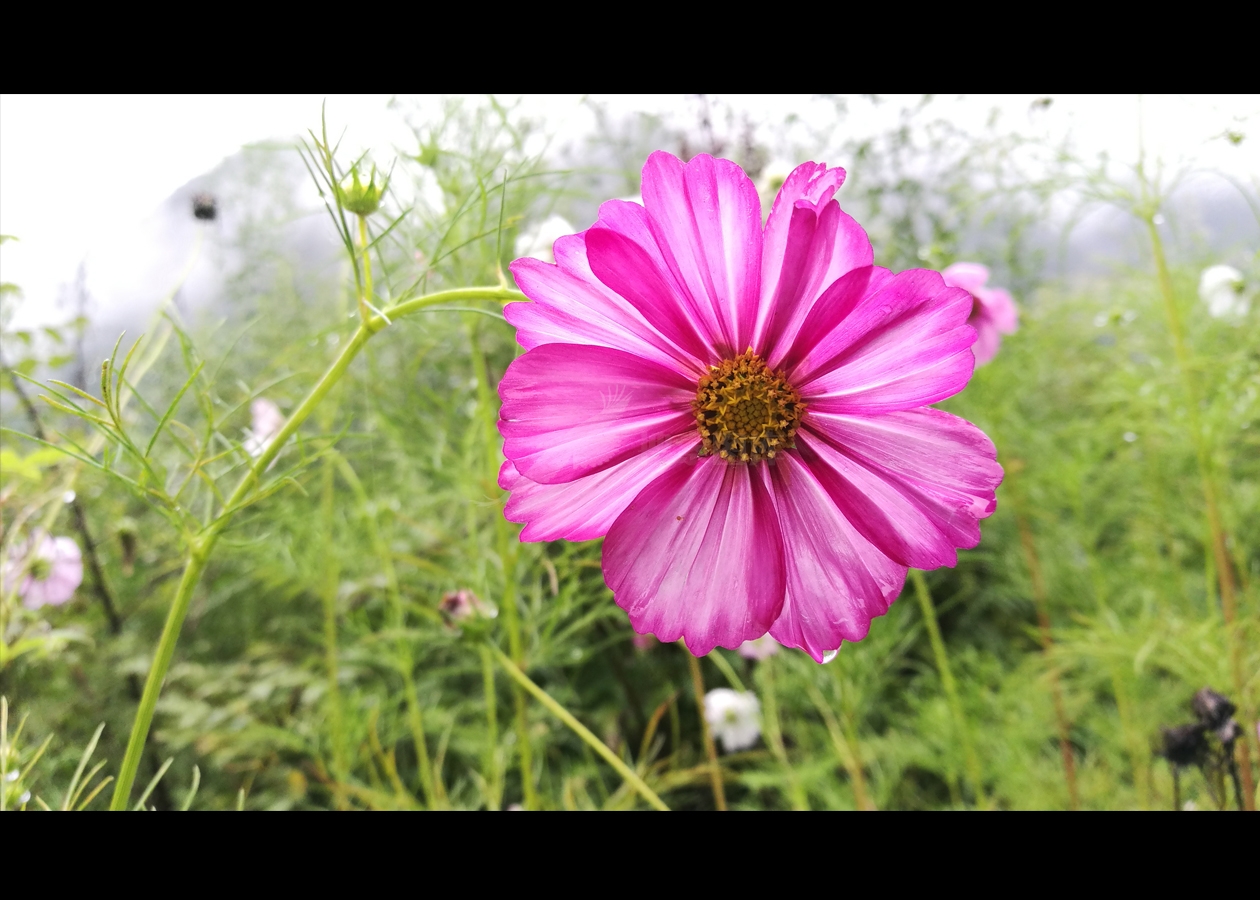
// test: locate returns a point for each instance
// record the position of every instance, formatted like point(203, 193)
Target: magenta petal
point(586, 508)
point(811, 182)
point(837, 246)
point(706, 216)
point(699, 555)
point(837, 581)
point(944, 466)
point(907, 344)
point(570, 410)
point(628, 269)
point(887, 514)
point(571, 306)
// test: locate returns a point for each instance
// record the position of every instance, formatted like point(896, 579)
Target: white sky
point(78, 171)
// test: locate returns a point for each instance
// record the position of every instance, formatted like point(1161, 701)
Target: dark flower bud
point(1212, 709)
point(1184, 745)
point(205, 207)
point(128, 537)
point(1229, 732)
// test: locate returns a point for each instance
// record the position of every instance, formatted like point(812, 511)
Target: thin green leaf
point(170, 410)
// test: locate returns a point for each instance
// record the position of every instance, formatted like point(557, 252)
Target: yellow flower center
point(745, 412)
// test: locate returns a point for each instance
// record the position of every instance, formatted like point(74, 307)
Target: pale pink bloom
point(643, 642)
point(763, 647)
point(266, 420)
point(734, 717)
point(53, 569)
point(993, 313)
point(742, 411)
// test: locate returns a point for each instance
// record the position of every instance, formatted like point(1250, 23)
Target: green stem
point(201, 545)
point(328, 597)
point(1218, 552)
point(710, 750)
point(405, 661)
point(365, 298)
point(970, 758)
point(774, 733)
point(494, 778)
point(507, 554)
point(579, 729)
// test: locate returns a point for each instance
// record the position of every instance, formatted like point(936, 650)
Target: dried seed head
point(1212, 709)
point(1184, 745)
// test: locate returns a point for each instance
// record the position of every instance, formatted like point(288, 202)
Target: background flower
point(994, 313)
point(762, 648)
point(734, 717)
point(54, 570)
point(1221, 289)
point(266, 420)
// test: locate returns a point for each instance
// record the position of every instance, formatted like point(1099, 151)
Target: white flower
point(763, 647)
point(537, 242)
point(734, 717)
point(266, 422)
point(1220, 288)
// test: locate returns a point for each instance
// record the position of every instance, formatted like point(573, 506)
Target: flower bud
point(205, 207)
point(359, 197)
point(1212, 709)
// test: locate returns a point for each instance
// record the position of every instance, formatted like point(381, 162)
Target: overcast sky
point(76, 170)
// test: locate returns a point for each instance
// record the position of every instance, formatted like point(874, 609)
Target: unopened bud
point(359, 197)
point(1212, 709)
point(204, 207)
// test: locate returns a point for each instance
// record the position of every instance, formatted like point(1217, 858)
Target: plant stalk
point(710, 750)
point(971, 760)
point(1218, 551)
point(201, 545)
point(579, 729)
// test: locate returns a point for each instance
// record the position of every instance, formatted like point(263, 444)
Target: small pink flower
point(763, 647)
point(643, 642)
point(457, 606)
point(266, 420)
point(742, 410)
point(993, 313)
point(53, 570)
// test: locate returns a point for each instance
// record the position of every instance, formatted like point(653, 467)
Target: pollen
point(746, 412)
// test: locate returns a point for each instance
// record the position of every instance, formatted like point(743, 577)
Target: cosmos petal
point(699, 555)
point(629, 270)
point(906, 344)
point(574, 307)
point(570, 410)
point(945, 467)
point(586, 508)
point(706, 215)
point(837, 581)
point(836, 246)
point(812, 183)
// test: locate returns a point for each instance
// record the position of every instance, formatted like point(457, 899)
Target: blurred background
point(1052, 668)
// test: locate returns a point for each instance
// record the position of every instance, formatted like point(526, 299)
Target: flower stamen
point(746, 412)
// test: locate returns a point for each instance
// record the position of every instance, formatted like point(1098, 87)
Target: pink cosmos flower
point(53, 570)
point(742, 410)
point(993, 313)
point(266, 420)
